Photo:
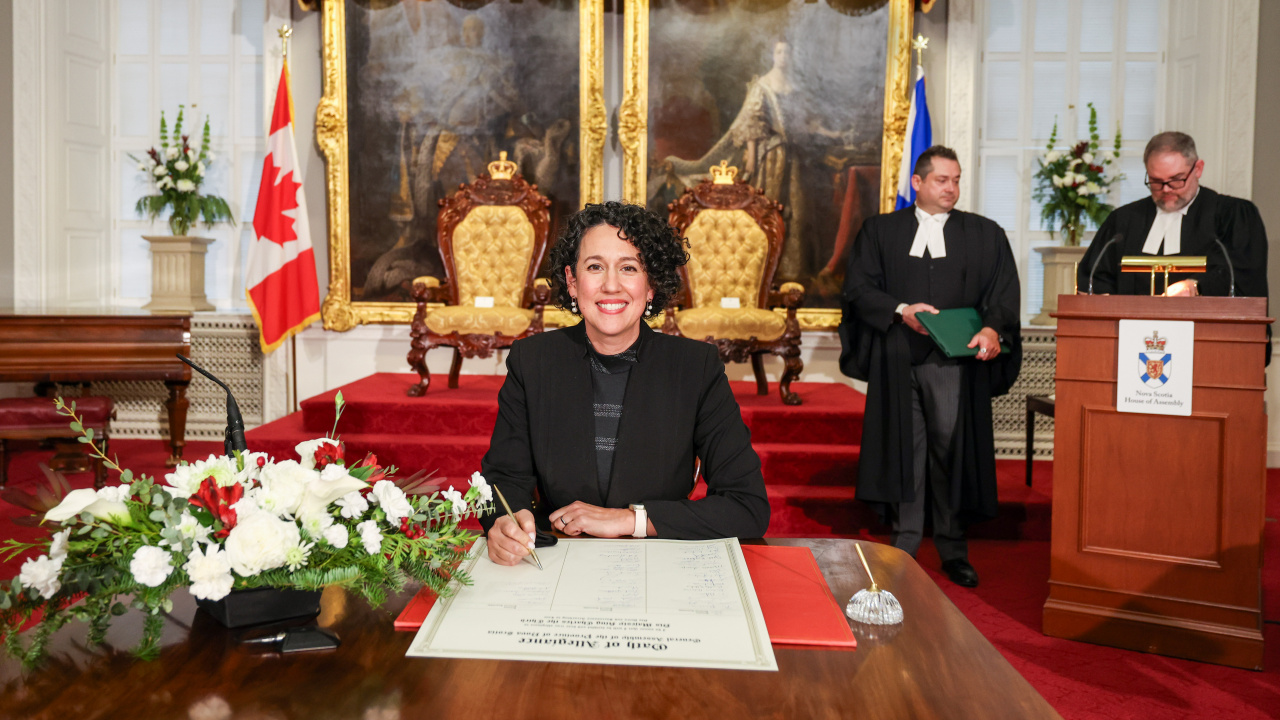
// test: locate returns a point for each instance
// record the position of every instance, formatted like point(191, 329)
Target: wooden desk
point(87, 347)
point(935, 665)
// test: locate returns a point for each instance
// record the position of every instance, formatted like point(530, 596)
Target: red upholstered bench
point(37, 418)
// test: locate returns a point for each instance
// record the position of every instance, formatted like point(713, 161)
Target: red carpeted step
point(378, 404)
point(808, 464)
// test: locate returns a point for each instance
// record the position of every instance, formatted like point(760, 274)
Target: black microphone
point(233, 436)
point(1231, 270)
point(1114, 239)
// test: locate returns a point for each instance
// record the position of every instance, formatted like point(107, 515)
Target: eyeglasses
point(1176, 183)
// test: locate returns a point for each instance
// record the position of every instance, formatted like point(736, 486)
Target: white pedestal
point(1059, 278)
point(177, 274)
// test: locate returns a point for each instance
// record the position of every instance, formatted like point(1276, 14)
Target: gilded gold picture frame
point(340, 311)
point(636, 112)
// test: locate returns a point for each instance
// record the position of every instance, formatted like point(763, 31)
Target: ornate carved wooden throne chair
point(492, 235)
point(735, 239)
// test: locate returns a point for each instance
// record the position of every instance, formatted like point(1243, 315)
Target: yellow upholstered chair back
point(728, 252)
point(492, 249)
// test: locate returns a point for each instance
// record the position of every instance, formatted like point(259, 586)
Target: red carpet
point(1081, 681)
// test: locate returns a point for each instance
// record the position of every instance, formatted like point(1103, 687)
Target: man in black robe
point(1181, 217)
point(927, 431)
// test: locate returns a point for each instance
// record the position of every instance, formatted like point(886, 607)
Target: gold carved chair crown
point(735, 238)
point(492, 235)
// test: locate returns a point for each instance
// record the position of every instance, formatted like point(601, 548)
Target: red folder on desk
point(798, 607)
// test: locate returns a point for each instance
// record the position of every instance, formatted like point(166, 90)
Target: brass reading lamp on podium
point(1154, 264)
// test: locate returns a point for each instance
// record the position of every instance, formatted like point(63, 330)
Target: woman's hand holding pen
point(510, 543)
point(583, 519)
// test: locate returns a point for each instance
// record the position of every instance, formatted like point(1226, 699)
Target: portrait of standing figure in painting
point(435, 93)
point(804, 83)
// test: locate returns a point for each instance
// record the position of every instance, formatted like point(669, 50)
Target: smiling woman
point(601, 422)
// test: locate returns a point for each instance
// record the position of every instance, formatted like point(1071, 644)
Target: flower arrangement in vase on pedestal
point(176, 170)
point(233, 523)
point(1072, 184)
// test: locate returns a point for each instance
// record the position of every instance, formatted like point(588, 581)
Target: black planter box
point(262, 605)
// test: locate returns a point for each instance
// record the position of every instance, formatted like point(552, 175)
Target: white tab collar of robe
point(929, 235)
point(1167, 229)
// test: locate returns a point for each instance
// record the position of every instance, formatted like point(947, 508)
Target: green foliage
point(1072, 184)
point(176, 171)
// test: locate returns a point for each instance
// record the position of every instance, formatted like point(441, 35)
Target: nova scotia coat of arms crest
point(1154, 362)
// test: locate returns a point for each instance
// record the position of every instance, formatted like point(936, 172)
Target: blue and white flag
point(919, 138)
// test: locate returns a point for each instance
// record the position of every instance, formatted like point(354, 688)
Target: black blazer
point(678, 407)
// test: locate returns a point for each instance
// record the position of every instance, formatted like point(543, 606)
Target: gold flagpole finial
point(285, 32)
point(920, 44)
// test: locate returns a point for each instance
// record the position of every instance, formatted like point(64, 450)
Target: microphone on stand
point(1114, 239)
point(1231, 270)
point(233, 436)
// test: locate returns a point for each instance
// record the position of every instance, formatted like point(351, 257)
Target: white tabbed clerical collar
point(1167, 230)
point(929, 235)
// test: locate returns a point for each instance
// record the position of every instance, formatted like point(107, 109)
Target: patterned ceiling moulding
point(419, 98)
point(808, 99)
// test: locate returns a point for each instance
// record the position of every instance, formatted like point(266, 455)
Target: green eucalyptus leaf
point(119, 609)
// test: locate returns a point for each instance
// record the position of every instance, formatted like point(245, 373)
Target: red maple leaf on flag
point(269, 220)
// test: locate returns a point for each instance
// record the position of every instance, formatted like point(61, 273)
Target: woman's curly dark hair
point(662, 250)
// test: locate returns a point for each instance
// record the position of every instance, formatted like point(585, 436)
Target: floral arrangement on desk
point(177, 170)
point(1072, 184)
point(227, 523)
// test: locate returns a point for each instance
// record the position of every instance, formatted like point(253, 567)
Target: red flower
point(379, 473)
point(328, 453)
point(218, 501)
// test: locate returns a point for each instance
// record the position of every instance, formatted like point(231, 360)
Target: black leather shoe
point(961, 572)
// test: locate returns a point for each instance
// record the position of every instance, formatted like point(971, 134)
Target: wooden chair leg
point(794, 366)
point(455, 369)
point(1031, 438)
point(757, 366)
point(418, 362)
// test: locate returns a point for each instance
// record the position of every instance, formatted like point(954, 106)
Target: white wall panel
point(84, 176)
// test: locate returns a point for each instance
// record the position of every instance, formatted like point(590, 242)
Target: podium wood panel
point(1158, 519)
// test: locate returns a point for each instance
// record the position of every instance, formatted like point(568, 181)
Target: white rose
point(1093, 188)
point(327, 486)
point(160, 170)
point(151, 566)
point(186, 186)
point(1083, 190)
point(1088, 158)
point(200, 169)
point(283, 486)
point(392, 500)
point(59, 544)
point(181, 165)
point(370, 536)
point(478, 482)
point(456, 503)
point(307, 451)
point(87, 500)
point(1074, 162)
point(210, 573)
point(171, 153)
point(314, 524)
point(259, 542)
point(337, 536)
point(1052, 156)
point(248, 505)
point(1057, 181)
point(42, 574)
point(115, 493)
point(353, 505)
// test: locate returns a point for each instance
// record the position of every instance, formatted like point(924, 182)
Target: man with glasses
point(1180, 218)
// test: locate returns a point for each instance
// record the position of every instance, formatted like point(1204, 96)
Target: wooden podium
point(1157, 519)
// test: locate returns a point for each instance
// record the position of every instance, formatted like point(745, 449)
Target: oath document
point(622, 602)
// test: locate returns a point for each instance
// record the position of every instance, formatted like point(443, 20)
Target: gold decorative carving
point(724, 173)
point(593, 120)
point(502, 168)
point(633, 114)
point(897, 103)
point(338, 310)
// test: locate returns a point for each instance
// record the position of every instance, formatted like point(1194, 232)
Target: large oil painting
point(792, 93)
point(434, 91)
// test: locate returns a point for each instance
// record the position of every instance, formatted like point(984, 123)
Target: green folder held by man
point(951, 330)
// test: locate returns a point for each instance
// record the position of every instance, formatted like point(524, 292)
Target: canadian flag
point(281, 280)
